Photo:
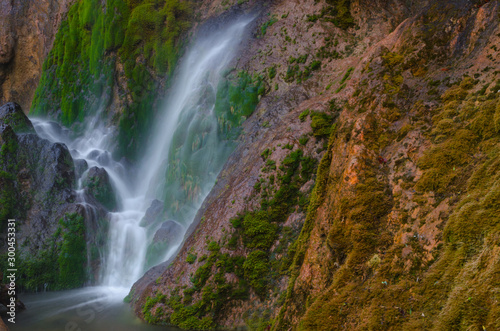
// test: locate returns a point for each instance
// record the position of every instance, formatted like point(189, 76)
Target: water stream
point(185, 137)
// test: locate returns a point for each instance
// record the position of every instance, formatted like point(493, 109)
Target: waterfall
point(185, 137)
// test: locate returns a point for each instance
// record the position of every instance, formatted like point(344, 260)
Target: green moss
point(78, 74)
point(72, 256)
point(7, 197)
point(393, 59)
point(150, 303)
point(303, 115)
point(441, 162)
point(300, 246)
point(18, 122)
point(321, 124)
point(258, 231)
point(101, 189)
point(256, 268)
point(337, 12)
point(60, 263)
point(272, 72)
point(300, 72)
point(263, 28)
point(265, 154)
point(191, 258)
point(303, 140)
point(347, 75)
point(446, 163)
point(496, 117)
point(128, 298)
point(236, 101)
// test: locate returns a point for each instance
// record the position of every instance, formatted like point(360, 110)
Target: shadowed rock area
point(37, 180)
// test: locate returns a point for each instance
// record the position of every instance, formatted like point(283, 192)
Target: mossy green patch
point(236, 100)
point(258, 230)
point(78, 74)
point(337, 12)
point(60, 263)
point(321, 124)
point(72, 255)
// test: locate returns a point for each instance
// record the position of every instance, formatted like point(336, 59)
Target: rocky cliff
point(27, 31)
point(364, 191)
point(399, 103)
point(54, 231)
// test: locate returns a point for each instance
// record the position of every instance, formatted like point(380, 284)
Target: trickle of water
point(190, 102)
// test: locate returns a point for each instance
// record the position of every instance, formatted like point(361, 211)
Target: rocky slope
point(364, 193)
point(400, 102)
point(27, 31)
point(37, 189)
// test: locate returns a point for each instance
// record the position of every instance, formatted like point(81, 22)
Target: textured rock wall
point(27, 31)
point(415, 88)
point(37, 189)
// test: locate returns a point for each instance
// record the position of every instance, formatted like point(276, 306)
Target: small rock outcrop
point(98, 184)
point(154, 214)
point(37, 190)
point(81, 166)
point(12, 114)
point(170, 232)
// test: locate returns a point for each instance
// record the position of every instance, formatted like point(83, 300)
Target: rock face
point(169, 232)
point(401, 229)
point(81, 166)
point(11, 114)
point(154, 214)
point(166, 237)
point(37, 181)
point(98, 184)
point(3, 327)
point(27, 31)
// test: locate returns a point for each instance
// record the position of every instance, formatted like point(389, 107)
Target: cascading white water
point(199, 72)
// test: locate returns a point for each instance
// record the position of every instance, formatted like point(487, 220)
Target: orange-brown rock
point(27, 31)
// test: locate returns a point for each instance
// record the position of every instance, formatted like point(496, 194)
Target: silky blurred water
point(189, 105)
point(87, 309)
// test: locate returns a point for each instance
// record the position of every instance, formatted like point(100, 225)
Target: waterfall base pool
point(87, 309)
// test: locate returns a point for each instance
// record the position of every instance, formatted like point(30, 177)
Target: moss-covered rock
point(98, 184)
point(12, 115)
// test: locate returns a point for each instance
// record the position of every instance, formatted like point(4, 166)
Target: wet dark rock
point(6, 134)
point(102, 157)
point(169, 232)
point(154, 214)
point(80, 167)
point(167, 236)
point(98, 184)
point(37, 182)
point(12, 114)
point(94, 154)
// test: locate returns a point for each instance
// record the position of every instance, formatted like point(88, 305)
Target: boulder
point(154, 214)
point(170, 232)
point(98, 184)
point(81, 166)
point(12, 114)
point(167, 236)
